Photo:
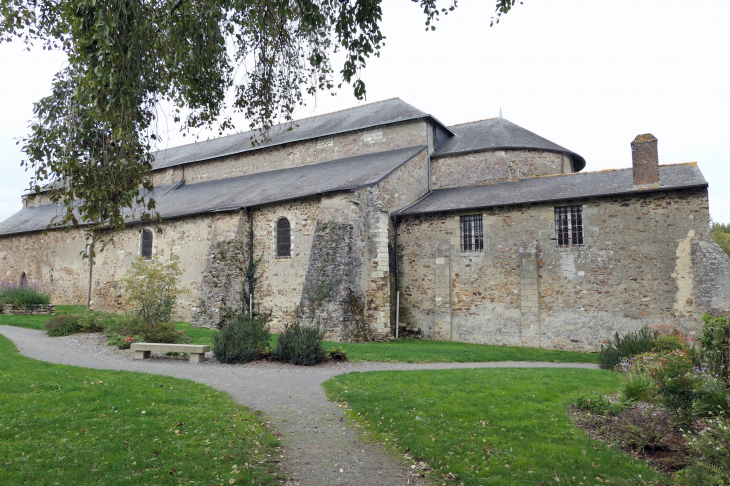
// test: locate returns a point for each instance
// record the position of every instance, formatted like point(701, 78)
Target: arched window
point(146, 244)
point(283, 238)
point(23, 280)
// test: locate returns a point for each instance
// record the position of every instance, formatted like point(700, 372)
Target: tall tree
point(93, 138)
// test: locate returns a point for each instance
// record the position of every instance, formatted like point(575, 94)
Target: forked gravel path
point(320, 447)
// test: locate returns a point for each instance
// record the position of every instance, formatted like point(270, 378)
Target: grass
point(403, 350)
point(426, 351)
point(36, 322)
point(491, 426)
point(69, 425)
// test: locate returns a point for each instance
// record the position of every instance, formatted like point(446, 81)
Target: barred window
point(472, 236)
point(146, 244)
point(569, 226)
point(283, 238)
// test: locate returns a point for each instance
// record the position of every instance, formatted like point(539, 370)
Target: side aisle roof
point(235, 193)
point(553, 188)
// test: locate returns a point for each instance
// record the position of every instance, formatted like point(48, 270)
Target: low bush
point(300, 344)
point(242, 340)
point(637, 387)
point(630, 345)
point(29, 293)
point(715, 345)
point(667, 343)
point(598, 405)
point(122, 342)
point(712, 397)
point(62, 325)
point(337, 354)
point(710, 456)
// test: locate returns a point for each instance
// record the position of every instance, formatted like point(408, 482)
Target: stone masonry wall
point(281, 285)
point(496, 166)
point(642, 264)
point(406, 184)
point(55, 258)
point(350, 260)
point(388, 137)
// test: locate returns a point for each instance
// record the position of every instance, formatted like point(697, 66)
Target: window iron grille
point(472, 233)
point(569, 226)
point(283, 238)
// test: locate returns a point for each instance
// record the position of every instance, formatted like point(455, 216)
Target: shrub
point(62, 325)
point(715, 345)
point(712, 397)
point(710, 456)
point(648, 434)
point(637, 387)
point(30, 293)
point(630, 345)
point(664, 344)
point(599, 405)
point(242, 340)
point(300, 344)
point(152, 287)
point(122, 342)
point(337, 354)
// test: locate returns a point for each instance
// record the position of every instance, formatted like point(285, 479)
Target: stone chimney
point(645, 159)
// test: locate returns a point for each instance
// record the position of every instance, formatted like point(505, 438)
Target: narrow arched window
point(146, 244)
point(23, 280)
point(283, 238)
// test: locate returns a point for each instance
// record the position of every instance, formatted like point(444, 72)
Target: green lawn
point(36, 322)
point(69, 425)
point(427, 351)
point(489, 426)
point(407, 350)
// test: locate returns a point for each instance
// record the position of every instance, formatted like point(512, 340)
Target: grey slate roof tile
point(358, 118)
point(496, 134)
point(553, 188)
point(247, 190)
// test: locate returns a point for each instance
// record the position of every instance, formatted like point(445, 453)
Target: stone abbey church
point(483, 232)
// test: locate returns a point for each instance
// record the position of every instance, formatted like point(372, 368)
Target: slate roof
point(358, 118)
point(499, 134)
point(553, 188)
point(248, 190)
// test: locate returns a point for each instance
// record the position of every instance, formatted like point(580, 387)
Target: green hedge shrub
point(62, 325)
point(637, 342)
point(242, 340)
point(300, 344)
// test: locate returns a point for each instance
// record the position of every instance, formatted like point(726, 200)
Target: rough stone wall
point(350, 260)
point(281, 285)
point(55, 258)
point(639, 266)
point(406, 184)
point(388, 137)
point(496, 166)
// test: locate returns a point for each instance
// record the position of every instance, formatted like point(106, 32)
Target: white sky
point(589, 76)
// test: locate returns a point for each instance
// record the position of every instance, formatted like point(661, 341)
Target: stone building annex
point(489, 232)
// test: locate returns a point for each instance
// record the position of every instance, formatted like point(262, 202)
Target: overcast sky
point(589, 76)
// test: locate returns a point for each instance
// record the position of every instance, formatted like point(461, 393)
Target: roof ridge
point(475, 121)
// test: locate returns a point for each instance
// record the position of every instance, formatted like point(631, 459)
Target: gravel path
point(320, 447)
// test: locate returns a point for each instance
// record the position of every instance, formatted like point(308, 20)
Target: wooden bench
point(196, 351)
